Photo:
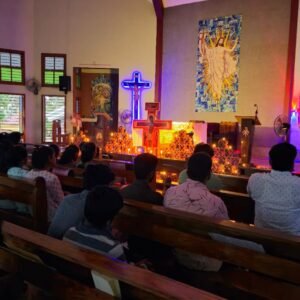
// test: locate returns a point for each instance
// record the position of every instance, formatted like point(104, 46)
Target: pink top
point(55, 193)
point(194, 196)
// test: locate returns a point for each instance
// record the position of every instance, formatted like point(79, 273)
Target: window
point(12, 66)
point(54, 108)
point(53, 66)
point(11, 112)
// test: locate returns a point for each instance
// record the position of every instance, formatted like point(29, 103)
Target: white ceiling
point(169, 3)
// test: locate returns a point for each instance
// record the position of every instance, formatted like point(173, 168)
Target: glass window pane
point(4, 59)
point(54, 109)
point(49, 63)
point(16, 60)
point(59, 63)
point(11, 112)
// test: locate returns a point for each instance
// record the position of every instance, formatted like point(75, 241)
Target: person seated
point(214, 183)
point(16, 161)
point(88, 153)
point(276, 194)
point(193, 196)
point(15, 137)
point(56, 150)
point(144, 170)
point(71, 211)
point(16, 158)
point(101, 205)
point(69, 156)
point(43, 160)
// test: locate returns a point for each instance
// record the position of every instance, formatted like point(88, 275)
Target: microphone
point(256, 111)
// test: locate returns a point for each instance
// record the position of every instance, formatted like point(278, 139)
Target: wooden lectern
point(247, 134)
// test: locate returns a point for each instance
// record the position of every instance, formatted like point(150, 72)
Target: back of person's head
point(97, 174)
point(41, 157)
point(88, 151)
point(16, 156)
point(282, 157)
point(15, 137)
point(55, 149)
point(144, 166)
point(5, 147)
point(202, 147)
point(101, 205)
point(199, 166)
point(69, 155)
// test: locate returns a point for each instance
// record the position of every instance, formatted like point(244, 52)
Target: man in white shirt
point(277, 194)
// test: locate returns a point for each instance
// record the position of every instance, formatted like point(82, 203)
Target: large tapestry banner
point(218, 60)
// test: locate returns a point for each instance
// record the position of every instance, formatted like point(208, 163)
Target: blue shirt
point(69, 213)
point(277, 200)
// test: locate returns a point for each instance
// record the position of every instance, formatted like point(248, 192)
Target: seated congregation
point(185, 232)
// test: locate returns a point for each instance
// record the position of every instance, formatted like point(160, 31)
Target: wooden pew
point(28, 192)
point(274, 275)
point(234, 183)
point(20, 256)
point(240, 206)
point(71, 184)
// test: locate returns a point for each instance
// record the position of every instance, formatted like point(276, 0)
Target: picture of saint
point(101, 99)
point(218, 64)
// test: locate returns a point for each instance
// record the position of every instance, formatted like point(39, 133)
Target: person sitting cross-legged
point(276, 194)
point(144, 170)
point(193, 196)
point(71, 211)
point(94, 232)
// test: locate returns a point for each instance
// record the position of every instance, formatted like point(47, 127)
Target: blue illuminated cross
point(136, 85)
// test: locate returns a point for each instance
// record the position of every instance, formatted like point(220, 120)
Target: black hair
point(101, 205)
point(88, 151)
point(144, 165)
point(55, 149)
point(69, 155)
point(199, 166)
point(5, 147)
point(15, 137)
point(202, 147)
point(41, 156)
point(15, 156)
point(282, 157)
point(97, 174)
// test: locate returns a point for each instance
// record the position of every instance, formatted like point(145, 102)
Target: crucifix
point(136, 85)
point(151, 126)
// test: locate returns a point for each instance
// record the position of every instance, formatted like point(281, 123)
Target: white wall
point(17, 32)
point(263, 58)
point(110, 33)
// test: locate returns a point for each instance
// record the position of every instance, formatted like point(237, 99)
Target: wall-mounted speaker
point(65, 83)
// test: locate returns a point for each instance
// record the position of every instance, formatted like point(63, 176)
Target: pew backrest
point(30, 192)
point(141, 280)
point(193, 233)
point(240, 206)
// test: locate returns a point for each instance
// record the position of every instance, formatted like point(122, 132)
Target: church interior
point(192, 128)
